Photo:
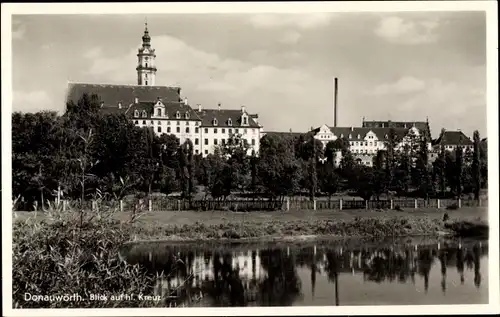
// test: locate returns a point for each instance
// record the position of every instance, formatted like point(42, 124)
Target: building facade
point(365, 142)
point(450, 140)
point(164, 110)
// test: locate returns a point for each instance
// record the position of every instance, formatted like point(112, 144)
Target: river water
point(410, 271)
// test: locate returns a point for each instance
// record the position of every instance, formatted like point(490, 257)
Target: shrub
point(398, 208)
point(453, 206)
point(63, 256)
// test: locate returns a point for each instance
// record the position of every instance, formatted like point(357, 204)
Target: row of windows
point(236, 131)
point(244, 121)
point(159, 114)
point(366, 143)
point(196, 129)
point(223, 141)
point(349, 137)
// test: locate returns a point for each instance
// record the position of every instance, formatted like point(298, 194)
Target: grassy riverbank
point(188, 225)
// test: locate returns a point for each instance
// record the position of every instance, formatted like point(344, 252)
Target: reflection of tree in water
point(332, 267)
point(460, 264)
point(477, 265)
point(443, 259)
point(281, 286)
point(425, 259)
point(226, 287)
point(386, 264)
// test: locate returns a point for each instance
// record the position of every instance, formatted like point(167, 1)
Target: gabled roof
point(355, 131)
point(284, 134)
point(420, 125)
point(111, 95)
point(223, 116)
point(453, 138)
point(171, 108)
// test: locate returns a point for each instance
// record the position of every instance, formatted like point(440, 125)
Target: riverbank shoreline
point(218, 226)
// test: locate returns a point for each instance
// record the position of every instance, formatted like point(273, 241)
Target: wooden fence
point(166, 204)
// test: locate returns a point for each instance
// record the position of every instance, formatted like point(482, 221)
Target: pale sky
point(397, 66)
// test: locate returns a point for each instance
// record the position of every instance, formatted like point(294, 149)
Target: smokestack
point(335, 94)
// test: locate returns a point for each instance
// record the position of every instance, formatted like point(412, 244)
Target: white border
point(246, 7)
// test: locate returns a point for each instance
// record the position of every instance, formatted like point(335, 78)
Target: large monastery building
point(166, 111)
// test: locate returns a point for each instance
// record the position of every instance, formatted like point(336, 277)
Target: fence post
point(392, 204)
point(439, 203)
point(121, 205)
point(150, 205)
point(314, 204)
point(340, 204)
point(64, 205)
point(416, 203)
point(287, 203)
point(178, 205)
point(479, 202)
point(459, 203)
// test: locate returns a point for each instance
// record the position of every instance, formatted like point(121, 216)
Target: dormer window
point(158, 112)
point(186, 115)
point(350, 136)
point(359, 136)
point(136, 113)
point(342, 136)
point(177, 115)
point(229, 122)
point(245, 120)
point(214, 121)
point(144, 114)
point(386, 136)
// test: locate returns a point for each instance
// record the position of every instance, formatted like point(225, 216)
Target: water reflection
point(278, 275)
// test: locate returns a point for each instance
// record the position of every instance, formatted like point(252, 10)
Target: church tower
point(146, 68)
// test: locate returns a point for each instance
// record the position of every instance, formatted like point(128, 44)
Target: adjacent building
point(365, 142)
point(450, 140)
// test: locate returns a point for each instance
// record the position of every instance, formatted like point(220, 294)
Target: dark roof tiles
point(453, 138)
point(224, 116)
point(111, 95)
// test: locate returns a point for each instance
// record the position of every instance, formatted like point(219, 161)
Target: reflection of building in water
point(247, 265)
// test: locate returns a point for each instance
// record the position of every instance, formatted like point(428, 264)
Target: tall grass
point(63, 255)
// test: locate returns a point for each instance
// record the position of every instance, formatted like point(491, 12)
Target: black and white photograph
point(230, 158)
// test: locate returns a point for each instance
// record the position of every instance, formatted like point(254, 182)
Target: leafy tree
point(458, 170)
point(422, 176)
point(278, 170)
point(329, 180)
point(476, 165)
point(362, 181)
point(439, 171)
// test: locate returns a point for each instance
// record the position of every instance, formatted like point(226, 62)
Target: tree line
point(85, 154)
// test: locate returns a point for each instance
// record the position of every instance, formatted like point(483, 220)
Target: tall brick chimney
point(335, 105)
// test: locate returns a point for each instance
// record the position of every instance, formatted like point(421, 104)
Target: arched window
point(214, 121)
point(136, 113)
point(144, 114)
point(186, 115)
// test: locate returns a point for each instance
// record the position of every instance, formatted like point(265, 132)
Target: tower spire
point(146, 69)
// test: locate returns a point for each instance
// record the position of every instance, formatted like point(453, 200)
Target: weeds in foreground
point(64, 256)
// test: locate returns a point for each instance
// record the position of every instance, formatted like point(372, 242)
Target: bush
point(453, 206)
point(398, 208)
point(58, 257)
